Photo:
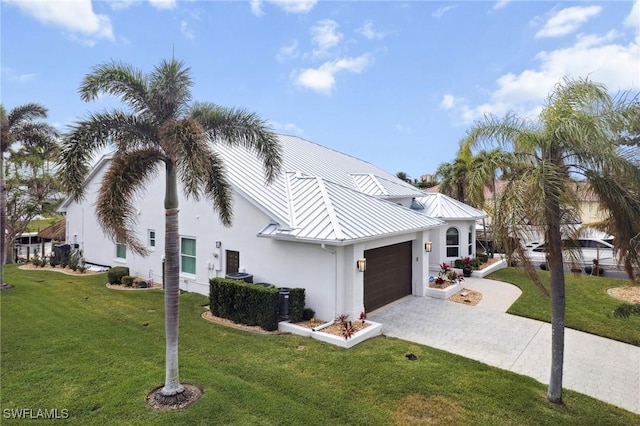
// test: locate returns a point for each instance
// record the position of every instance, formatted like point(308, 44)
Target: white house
point(309, 229)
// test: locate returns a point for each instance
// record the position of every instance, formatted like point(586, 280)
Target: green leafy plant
point(127, 280)
point(307, 314)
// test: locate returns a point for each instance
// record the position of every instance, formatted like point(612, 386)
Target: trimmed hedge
point(296, 304)
point(116, 273)
point(244, 303)
point(251, 304)
point(127, 280)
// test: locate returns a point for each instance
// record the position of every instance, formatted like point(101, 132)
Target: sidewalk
point(602, 368)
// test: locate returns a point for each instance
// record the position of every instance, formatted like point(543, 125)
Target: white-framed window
point(188, 255)
point(453, 242)
point(471, 231)
point(121, 251)
point(151, 238)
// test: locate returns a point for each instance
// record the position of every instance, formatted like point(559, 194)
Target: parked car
point(591, 247)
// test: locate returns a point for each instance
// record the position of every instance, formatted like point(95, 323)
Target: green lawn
point(70, 343)
point(39, 224)
point(588, 306)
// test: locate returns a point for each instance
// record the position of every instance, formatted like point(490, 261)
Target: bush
point(475, 263)
point(244, 303)
point(35, 261)
point(296, 304)
point(307, 314)
point(127, 280)
point(457, 263)
point(484, 257)
point(74, 261)
point(116, 273)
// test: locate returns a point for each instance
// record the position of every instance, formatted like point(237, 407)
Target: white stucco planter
point(443, 293)
point(490, 269)
point(374, 329)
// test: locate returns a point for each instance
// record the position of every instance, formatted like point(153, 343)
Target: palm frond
point(125, 179)
point(237, 127)
point(119, 80)
point(170, 90)
point(218, 189)
point(26, 112)
point(88, 137)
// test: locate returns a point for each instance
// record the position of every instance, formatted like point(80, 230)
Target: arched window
point(471, 230)
point(453, 242)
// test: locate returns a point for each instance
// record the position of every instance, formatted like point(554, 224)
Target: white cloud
point(256, 7)
point(401, 128)
point(633, 19)
point(121, 4)
point(12, 75)
point(164, 4)
point(568, 20)
point(286, 127)
point(597, 57)
point(441, 11)
point(288, 52)
point(322, 79)
point(500, 4)
point(325, 35)
point(77, 17)
point(186, 30)
point(369, 32)
point(288, 6)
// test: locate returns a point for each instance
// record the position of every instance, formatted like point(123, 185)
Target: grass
point(70, 343)
point(588, 306)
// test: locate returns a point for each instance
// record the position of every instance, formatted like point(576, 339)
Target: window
point(188, 255)
point(152, 238)
point(471, 229)
point(453, 242)
point(121, 251)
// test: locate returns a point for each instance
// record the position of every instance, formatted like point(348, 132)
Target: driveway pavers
point(602, 368)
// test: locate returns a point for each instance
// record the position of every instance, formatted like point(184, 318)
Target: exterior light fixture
point(218, 244)
point(361, 264)
point(427, 246)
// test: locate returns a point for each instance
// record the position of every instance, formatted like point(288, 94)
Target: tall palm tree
point(19, 126)
point(161, 129)
point(573, 137)
point(453, 177)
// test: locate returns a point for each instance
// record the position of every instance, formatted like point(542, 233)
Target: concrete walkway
point(602, 368)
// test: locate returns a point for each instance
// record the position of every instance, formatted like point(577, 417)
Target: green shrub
point(116, 273)
point(127, 280)
point(307, 314)
point(244, 303)
point(484, 257)
point(457, 263)
point(475, 263)
point(74, 261)
point(296, 304)
point(35, 261)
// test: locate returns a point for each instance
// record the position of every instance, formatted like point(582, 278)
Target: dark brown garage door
point(388, 275)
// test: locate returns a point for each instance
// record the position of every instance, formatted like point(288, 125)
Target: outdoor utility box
point(284, 303)
point(243, 276)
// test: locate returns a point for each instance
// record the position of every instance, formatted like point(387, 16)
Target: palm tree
point(453, 177)
point(19, 126)
point(403, 176)
point(160, 129)
point(573, 137)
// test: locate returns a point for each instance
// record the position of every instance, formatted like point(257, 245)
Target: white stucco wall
point(439, 251)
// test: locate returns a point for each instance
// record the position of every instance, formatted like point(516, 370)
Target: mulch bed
point(466, 297)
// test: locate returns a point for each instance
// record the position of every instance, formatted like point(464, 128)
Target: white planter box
point(489, 269)
point(374, 329)
point(443, 293)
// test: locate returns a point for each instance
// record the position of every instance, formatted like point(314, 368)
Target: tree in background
point(573, 137)
point(20, 132)
point(161, 129)
point(403, 176)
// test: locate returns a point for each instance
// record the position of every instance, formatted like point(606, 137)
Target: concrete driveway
point(602, 368)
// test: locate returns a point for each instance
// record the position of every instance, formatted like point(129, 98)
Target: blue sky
point(396, 83)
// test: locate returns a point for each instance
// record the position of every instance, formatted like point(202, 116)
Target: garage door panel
point(388, 276)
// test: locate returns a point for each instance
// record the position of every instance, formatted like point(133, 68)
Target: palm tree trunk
point(554, 239)
point(172, 384)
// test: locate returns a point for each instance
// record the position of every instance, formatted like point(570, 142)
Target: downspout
point(335, 279)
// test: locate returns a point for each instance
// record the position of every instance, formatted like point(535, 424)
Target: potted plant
point(466, 266)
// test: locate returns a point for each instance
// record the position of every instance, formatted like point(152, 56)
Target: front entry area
point(388, 275)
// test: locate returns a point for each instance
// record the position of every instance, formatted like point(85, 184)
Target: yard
point(69, 343)
point(588, 306)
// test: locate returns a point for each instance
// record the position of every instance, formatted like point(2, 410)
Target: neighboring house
point(310, 228)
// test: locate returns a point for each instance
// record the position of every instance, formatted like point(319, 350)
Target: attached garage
point(388, 275)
